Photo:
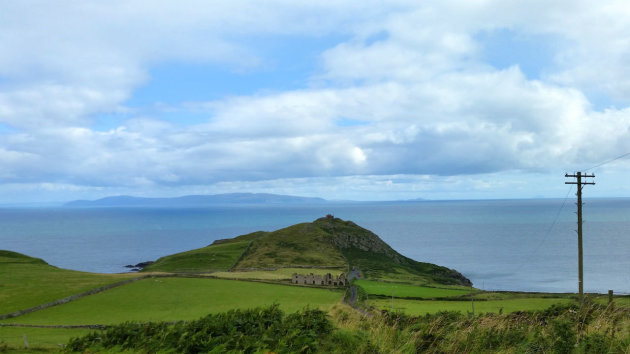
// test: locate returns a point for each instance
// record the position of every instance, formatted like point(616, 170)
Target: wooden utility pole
point(580, 184)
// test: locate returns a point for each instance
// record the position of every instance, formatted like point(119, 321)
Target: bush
point(564, 336)
point(247, 331)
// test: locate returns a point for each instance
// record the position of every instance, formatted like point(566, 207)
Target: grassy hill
point(333, 242)
point(325, 243)
point(27, 282)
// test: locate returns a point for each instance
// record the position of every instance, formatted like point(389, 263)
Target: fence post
point(610, 297)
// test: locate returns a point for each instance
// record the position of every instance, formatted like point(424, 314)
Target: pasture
point(407, 290)
point(176, 299)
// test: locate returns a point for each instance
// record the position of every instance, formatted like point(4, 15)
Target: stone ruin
point(311, 279)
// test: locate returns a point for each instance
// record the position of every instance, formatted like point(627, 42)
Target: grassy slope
point(387, 264)
point(297, 245)
point(216, 257)
point(26, 282)
point(171, 299)
point(279, 274)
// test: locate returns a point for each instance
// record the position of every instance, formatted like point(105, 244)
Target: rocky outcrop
point(363, 248)
point(139, 266)
point(347, 234)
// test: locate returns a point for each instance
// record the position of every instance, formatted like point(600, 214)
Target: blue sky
point(341, 100)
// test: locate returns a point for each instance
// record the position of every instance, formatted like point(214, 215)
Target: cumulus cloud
point(405, 91)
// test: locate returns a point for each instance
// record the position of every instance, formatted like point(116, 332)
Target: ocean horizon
point(508, 245)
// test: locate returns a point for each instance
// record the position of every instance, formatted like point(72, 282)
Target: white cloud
point(411, 73)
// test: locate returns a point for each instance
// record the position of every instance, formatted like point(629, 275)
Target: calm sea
point(527, 245)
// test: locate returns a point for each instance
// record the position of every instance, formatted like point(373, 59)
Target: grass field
point(172, 299)
point(407, 290)
point(38, 339)
point(26, 282)
point(421, 307)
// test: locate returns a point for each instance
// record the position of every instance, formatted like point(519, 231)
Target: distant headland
point(195, 200)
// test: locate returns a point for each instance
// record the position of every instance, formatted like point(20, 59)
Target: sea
point(519, 245)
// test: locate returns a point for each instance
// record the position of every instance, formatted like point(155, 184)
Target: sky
point(361, 100)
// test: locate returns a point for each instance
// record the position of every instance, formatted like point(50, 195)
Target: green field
point(407, 290)
point(38, 339)
point(421, 307)
point(26, 282)
point(173, 299)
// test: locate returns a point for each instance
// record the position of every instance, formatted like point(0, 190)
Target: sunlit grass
point(173, 299)
point(421, 307)
point(407, 290)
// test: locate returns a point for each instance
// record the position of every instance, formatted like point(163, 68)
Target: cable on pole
point(609, 161)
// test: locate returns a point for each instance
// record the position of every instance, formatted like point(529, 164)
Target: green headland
point(326, 243)
point(237, 295)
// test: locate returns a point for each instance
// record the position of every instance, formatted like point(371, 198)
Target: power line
point(553, 224)
point(609, 161)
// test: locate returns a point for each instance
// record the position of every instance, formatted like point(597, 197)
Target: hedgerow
point(246, 331)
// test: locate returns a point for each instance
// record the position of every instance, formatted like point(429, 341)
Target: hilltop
point(325, 243)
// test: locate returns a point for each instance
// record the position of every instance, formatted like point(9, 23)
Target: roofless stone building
point(327, 279)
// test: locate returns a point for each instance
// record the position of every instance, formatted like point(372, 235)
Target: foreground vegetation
point(255, 330)
point(564, 328)
point(559, 329)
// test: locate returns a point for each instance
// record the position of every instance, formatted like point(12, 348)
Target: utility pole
point(580, 185)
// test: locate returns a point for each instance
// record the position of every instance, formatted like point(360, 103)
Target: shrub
point(564, 336)
point(248, 331)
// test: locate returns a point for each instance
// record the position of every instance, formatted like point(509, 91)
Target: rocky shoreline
point(138, 267)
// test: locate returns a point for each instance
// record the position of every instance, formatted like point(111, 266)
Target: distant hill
point(195, 200)
point(14, 257)
point(326, 242)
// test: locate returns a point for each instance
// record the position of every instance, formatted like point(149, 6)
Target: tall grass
point(566, 328)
